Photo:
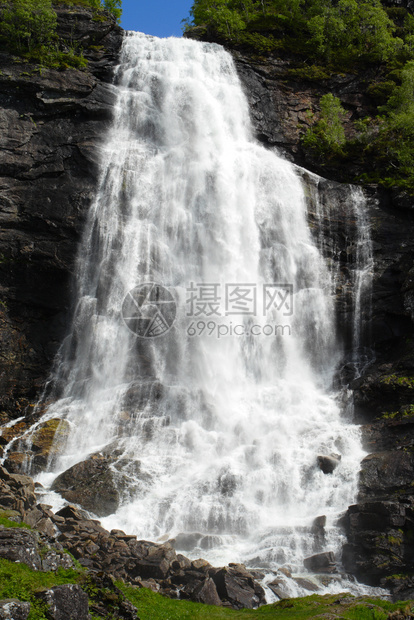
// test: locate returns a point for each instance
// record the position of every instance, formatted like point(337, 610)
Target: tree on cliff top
point(28, 28)
point(341, 32)
point(29, 23)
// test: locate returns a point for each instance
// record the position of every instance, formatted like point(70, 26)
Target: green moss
point(404, 412)
point(312, 73)
point(91, 4)
point(395, 381)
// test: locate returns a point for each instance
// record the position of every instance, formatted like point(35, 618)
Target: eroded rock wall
point(51, 126)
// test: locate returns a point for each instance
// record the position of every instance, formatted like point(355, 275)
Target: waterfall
point(203, 345)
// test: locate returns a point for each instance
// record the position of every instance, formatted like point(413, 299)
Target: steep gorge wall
point(280, 109)
point(51, 126)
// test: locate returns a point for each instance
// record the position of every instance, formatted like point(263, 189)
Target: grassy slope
point(19, 581)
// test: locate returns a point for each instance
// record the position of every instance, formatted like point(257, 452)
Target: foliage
point(94, 4)
point(399, 130)
point(343, 32)
point(220, 15)
point(28, 29)
point(29, 23)
point(323, 37)
point(114, 7)
point(327, 136)
point(384, 144)
point(380, 91)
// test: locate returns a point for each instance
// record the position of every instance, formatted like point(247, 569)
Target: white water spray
point(217, 436)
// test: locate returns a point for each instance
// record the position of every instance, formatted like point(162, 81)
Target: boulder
point(67, 602)
point(91, 484)
point(16, 492)
point(20, 545)
point(306, 584)
point(12, 609)
point(46, 441)
point(201, 591)
point(107, 601)
point(235, 585)
point(321, 563)
point(17, 462)
point(278, 587)
point(328, 463)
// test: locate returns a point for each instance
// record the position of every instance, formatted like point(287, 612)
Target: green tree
point(375, 31)
point(351, 29)
point(114, 7)
point(399, 132)
point(327, 136)
point(218, 15)
point(29, 23)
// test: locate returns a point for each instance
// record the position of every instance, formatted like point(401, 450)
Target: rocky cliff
point(52, 125)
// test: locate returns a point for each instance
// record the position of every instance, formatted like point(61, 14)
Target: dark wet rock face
point(51, 125)
point(34, 450)
point(381, 544)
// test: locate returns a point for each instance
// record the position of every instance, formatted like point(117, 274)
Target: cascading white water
point(216, 433)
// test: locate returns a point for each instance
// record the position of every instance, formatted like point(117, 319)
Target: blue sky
point(158, 17)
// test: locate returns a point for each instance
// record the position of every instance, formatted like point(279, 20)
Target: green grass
point(152, 606)
point(21, 582)
point(6, 521)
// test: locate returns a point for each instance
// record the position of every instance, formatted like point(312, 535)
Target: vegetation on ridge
point(28, 28)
